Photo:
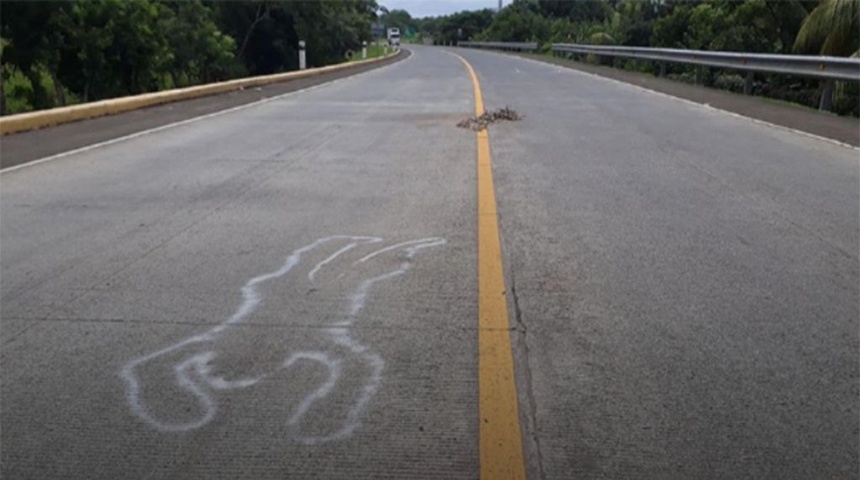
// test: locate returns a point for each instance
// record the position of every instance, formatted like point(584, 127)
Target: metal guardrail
point(826, 68)
point(510, 46)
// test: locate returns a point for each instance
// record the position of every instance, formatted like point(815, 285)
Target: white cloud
point(427, 8)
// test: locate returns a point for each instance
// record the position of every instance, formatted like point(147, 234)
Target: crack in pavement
point(532, 404)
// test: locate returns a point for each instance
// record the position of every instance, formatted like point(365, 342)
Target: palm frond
point(601, 38)
point(832, 28)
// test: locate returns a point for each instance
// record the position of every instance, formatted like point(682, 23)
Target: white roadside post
point(303, 61)
point(363, 50)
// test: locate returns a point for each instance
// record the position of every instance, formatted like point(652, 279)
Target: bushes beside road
point(57, 53)
point(827, 27)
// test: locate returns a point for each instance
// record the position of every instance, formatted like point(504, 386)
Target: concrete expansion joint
point(531, 423)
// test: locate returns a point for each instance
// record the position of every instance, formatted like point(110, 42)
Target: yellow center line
point(501, 450)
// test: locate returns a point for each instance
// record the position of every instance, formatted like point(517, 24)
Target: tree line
point(826, 27)
point(61, 52)
point(58, 53)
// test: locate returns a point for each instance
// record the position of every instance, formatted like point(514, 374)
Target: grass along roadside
point(374, 50)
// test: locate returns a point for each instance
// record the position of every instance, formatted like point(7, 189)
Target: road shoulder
point(21, 148)
point(842, 129)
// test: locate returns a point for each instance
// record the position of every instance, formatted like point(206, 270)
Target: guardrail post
point(826, 103)
point(662, 71)
point(303, 61)
point(748, 83)
point(700, 75)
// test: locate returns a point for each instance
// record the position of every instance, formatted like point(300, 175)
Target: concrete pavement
point(289, 290)
point(154, 326)
point(687, 282)
point(797, 117)
point(28, 146)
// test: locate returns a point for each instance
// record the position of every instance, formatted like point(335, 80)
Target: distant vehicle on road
point(394, 37)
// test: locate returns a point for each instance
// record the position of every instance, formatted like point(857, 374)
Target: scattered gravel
point(477, 124)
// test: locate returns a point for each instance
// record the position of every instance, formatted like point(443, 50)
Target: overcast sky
point(428, 8)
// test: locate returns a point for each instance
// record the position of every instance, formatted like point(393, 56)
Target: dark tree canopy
point(58, 52)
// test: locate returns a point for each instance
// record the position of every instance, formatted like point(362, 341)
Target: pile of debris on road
point(478, 123)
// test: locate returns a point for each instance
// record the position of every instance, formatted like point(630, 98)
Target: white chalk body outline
point(193, 373)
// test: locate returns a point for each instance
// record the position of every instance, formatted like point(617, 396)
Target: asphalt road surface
point(290, 290)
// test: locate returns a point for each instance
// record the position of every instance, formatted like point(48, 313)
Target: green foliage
point(398, 19)
point(582, 11)
point(750, 26)
point(833, 28)
point(200, 51)
point(18, 90)
point(519, 22)
point(829, 27)
point(460, 26)
point(767, 26)
point(374, 50)
point(57, 52)
point(107, 48)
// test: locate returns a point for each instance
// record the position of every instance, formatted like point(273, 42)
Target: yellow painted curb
point(23, 122)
